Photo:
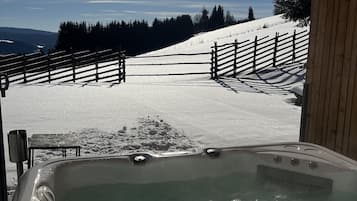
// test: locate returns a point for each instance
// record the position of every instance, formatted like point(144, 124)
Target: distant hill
point(18, 40)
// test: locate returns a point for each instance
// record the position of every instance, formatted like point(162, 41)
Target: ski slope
point(208, 113)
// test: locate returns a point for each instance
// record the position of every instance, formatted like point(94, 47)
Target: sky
point(48, 14)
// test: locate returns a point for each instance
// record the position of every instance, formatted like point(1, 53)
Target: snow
point(298, 90)
point(199, 112)
point(40, 46)
point(6, 41)
point(241, 32)
point(152, 134)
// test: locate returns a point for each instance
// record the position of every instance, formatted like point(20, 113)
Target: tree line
point(138, 36)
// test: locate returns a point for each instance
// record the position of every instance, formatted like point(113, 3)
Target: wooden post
point(49, 67)
point(119, 67)
point(96, 66)
point(304, 110)
point(73, 67)
point(212, 63)
point(124, 68)
point(3, 184)
point(275, 48)
point(24, 67)
point(235, 58)
point(255, 53)
point(215, 61)
point(294, 46)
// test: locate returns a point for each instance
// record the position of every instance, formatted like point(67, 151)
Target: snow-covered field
point(195, 111)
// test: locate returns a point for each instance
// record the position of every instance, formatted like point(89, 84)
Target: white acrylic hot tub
point(293, 171)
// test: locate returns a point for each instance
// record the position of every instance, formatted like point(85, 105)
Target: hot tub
point(293, 171)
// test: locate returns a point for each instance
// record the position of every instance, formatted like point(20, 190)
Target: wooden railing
point(62, 67)
point(239, 58)
point(185, 60)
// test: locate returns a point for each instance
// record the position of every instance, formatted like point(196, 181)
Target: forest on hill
point(138, 36)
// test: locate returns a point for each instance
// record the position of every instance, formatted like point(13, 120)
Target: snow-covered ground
point(200, 111)
point(6, 41)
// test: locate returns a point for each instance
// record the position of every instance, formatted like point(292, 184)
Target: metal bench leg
point(29, 159)
point(32, 157)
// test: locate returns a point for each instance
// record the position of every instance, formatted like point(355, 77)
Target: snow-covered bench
point(51, 142)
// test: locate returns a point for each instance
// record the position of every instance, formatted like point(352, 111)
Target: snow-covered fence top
point(173, 62)
point(61, 67)
point(241, 58)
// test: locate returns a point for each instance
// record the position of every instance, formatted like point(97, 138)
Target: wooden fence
point(230, 60)
point(63, 67)
point(183, 57)
point(239, 58)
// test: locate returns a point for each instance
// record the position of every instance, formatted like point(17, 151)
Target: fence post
point(303, 123)
point(96, 66)
point(212, 64)
point(294, 46)
point(24, 67)
point(255, 53)
point(73, 67)
point(119, 67)
point(275, 48)
point(124, 67)
point(215, 61)
point(235, 58)
point(49, 67)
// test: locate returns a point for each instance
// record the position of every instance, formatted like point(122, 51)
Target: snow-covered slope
point(206, 112)
point(246, 31)
point(203, 43)
point(25, 40)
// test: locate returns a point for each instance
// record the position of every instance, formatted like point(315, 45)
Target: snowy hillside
point(25, 40)
point(201, 112)
point(246, 31)
point(203, 43)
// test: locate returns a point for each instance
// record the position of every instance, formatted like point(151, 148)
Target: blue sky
point(47, 14)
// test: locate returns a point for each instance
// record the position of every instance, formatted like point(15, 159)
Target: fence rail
point(63, 66)
point(185, 59)
point(169, 55)
point(239, 58)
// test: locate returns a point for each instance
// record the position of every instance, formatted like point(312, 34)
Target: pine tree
point(250, 14)
point(296, 10)
point(220, 16)
point(196, 19)
point(229, 20)
point(217, 18)
point(203, 23)
point(281, 6)
point(213, 19)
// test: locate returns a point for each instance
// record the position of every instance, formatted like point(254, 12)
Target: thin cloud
point(194, 6)
point(34, 8)
point(102, 15)
point(6, 18)
point(130, 11)
point(116, 2)
point(109, 11)
point(166, 13)
point(201, 4)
